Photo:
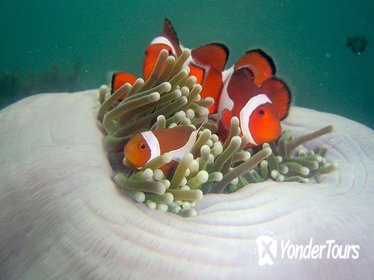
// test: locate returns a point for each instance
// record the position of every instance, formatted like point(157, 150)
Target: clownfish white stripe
point(225, 101)
point(227, 73)
point(178, 154)
point(165, 41)
point(247, 111)
point(153, 144)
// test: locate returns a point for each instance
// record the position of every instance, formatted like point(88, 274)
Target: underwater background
point(322, 49)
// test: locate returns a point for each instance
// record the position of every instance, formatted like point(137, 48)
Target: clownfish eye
point(261, 112)
point(142, 145)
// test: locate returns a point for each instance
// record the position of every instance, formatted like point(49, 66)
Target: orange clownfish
point(252, 93)
point(145, 146)
point(206, 64)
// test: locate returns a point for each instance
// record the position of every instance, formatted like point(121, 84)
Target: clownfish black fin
point(170, 33)
point(279, 94)
point(214, 54)
point(261, 65)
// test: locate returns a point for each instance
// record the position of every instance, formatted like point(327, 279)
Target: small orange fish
point(121, 78)
point(252, 93)
point(145, 146)
point(206, 64)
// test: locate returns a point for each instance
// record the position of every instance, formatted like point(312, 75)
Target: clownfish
point(252, 93)
point(145, 146)
point(206, 64)
point(121, 78)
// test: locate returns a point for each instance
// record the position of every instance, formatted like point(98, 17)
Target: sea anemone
point(170, 98)
point(63, 216)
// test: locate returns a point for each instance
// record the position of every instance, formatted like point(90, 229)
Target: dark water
point(56, 45)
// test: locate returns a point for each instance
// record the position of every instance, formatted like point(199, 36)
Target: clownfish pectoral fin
point(279, 94)
point(261, 65)
point(214, 55)
point(170, 34)
point(121, 78)
point(224, 124)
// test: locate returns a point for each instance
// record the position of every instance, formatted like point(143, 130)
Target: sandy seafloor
point(307, 40)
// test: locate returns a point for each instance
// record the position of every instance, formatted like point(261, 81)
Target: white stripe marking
point(165, 41)
point(153, 144)
point(225, 102)
point(246, 112)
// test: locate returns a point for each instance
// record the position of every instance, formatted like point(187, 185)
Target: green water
point(67, 45)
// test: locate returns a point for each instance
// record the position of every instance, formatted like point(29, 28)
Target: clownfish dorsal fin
point(279, 94)
point(261, 65)
point(214, 55)
point(241, 86)
point(170, 34)
point(121, 78)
